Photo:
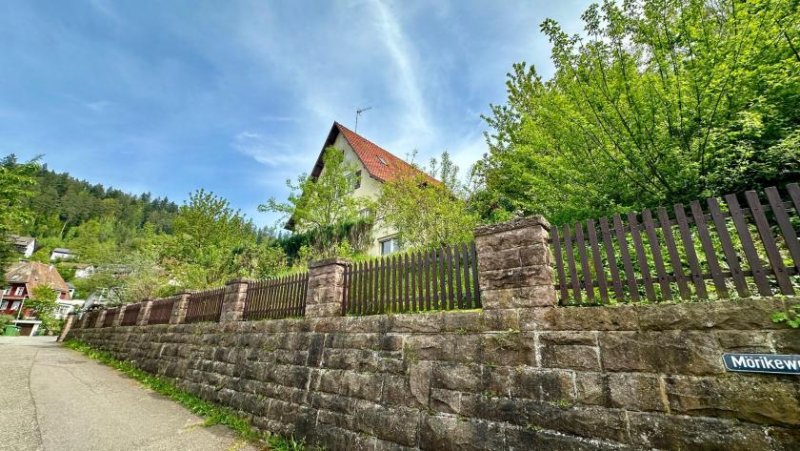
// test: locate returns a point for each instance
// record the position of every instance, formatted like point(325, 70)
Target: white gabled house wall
point(369, 188)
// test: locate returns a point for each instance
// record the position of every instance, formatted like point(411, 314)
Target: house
point(65, 307)
point(61, 253)
point(20, 281)
point(25, 245)
point(375, 167)
point(84, 271)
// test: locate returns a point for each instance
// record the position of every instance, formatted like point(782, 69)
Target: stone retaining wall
point(632, 377)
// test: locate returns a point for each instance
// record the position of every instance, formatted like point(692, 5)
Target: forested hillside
point(140, 246)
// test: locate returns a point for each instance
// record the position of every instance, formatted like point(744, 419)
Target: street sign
point(762, 363)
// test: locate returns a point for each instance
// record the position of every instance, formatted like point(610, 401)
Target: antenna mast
point(358, 113)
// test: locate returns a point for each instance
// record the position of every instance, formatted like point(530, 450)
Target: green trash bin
point(11, 331)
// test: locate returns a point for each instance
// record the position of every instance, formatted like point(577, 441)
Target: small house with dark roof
point(24, 244)
point(376, 166)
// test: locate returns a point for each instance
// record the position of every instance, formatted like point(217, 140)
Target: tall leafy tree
point(428, 213)
point(323, 206)
point(659, 101)
point(17, 184)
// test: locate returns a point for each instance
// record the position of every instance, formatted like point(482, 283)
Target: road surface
point(55, 399)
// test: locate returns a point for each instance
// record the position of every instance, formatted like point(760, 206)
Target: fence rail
point(716, 250)
point(131, 314)
point(440, 279)
point(161, 310)
point(111, 315)
point(281, 297)
point(205, 306)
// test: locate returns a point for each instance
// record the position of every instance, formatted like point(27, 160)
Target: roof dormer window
point(383, 162)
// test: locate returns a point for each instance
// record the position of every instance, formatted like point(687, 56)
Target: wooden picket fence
point(280, 297)
point(111, 316)
point(439, 279)
point(205, 306)
point(719, 250)
point(131, 314)
point(161, 310)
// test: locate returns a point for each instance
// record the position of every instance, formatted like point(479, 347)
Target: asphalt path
point(55, 399)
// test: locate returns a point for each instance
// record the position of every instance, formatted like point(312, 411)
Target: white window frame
point(19, 291)
point(395, 245)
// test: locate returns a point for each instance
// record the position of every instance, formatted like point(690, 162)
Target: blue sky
point(238, 96)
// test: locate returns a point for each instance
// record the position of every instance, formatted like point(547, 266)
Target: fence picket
point(658, 259)
point(708, 249)
point(612, 260)
point(573, 274)
point(580, 241)
point(641, 257)
point(598, 261)
point(630, 277)
point(674, 256)
point(747, 244)
point(562, 279)
point(789, 235)
point(691, 255)
point(773, 255)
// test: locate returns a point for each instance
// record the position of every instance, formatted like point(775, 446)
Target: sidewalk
point(55, 399)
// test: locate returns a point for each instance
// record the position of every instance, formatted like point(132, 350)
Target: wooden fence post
point(233, 304)
point(514, 264)
point(179, 309)
point(325, 288)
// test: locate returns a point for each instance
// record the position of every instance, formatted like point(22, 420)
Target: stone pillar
point(144, 313)
point(67, 326)
point(179, 309)
point(120, 315)
point(514, 269)
point(325, 288)
point(233, 305)
point(84, 321)
point(100, 318)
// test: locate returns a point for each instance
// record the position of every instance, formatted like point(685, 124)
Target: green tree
point(427, 213)
point(323, 206)
point(661, 101)
point(213, 243)
point(43, 303)
point(17, 184)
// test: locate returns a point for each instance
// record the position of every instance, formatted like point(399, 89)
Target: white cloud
point(266, 151)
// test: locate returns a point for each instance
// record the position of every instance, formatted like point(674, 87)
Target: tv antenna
point(358, 113)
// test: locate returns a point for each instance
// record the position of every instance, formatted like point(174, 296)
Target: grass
point(212, 413)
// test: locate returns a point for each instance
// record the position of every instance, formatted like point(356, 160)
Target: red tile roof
point(380, 163)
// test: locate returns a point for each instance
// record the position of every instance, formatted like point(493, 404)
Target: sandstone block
point(755, 398)
point(681, 352)
point(634, 391)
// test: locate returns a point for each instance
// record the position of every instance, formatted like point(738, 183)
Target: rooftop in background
point(381, 164)
point(22, 240)
point(34, 274)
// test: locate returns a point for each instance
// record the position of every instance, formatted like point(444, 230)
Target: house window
point(357, 181)
point(4, 305)
point(15, 305)
point(389, 246)
point(6, 291)
point(19, 291)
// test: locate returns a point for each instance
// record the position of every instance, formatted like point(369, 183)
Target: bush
point(5, 320)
